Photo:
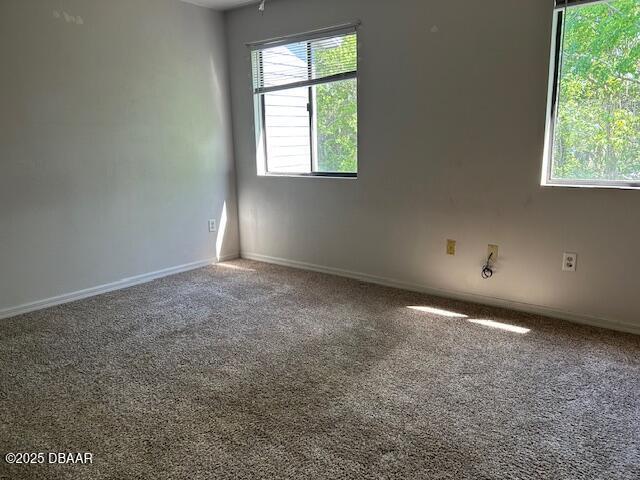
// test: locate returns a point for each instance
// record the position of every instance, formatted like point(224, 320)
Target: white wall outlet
point(569, 262)
point(213, 226)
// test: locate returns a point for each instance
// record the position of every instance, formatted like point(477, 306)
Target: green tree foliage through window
point(337, 112)
point(597, 131)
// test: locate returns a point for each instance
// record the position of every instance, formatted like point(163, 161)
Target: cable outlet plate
point(569, 262)
point(492, 251)
point(451, 247)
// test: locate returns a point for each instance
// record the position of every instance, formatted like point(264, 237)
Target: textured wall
point(452, 112)
point(115, 142)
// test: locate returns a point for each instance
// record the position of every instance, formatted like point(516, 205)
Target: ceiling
point(222, 4)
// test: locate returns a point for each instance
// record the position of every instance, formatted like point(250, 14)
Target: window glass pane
point(333, 56)
point(281, 65)
point(336, 127)
point(286, 64)
point(287, 131)
point(597, 131)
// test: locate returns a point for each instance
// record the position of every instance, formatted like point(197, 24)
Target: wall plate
point(569, 262)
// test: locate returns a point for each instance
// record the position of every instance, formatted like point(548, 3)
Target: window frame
point(555, 65)
point(260, 107)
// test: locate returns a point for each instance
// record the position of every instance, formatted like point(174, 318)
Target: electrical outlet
point(212, 226)
point(451, 247)
point(492, 251)
point(569, 262)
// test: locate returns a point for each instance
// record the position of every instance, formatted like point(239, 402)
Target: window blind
point(331, 56)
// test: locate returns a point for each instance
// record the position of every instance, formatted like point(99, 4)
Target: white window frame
point(259, 107)
point(555, 65)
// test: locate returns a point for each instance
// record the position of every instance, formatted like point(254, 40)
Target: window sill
point(341, 176)
point(596, 185)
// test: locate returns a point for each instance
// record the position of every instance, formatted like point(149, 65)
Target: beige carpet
point(247, 370)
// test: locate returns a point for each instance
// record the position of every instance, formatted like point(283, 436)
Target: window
point(593, 127)
point(305, 93)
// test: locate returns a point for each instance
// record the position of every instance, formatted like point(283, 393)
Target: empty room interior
point(320, 239)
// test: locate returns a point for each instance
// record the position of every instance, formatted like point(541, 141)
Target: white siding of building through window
point(287, 117)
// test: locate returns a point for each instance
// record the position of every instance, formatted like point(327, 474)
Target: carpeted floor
point(247, 370)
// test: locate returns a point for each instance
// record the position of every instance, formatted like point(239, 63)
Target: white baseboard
point(109, 287)
point(468, 297)
point(228, 258)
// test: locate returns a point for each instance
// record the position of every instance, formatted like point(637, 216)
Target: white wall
point(451, 141)
point(115, 142)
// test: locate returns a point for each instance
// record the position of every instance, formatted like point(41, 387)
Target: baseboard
point(109, 287)
point(228, 258)
point(467, 297)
